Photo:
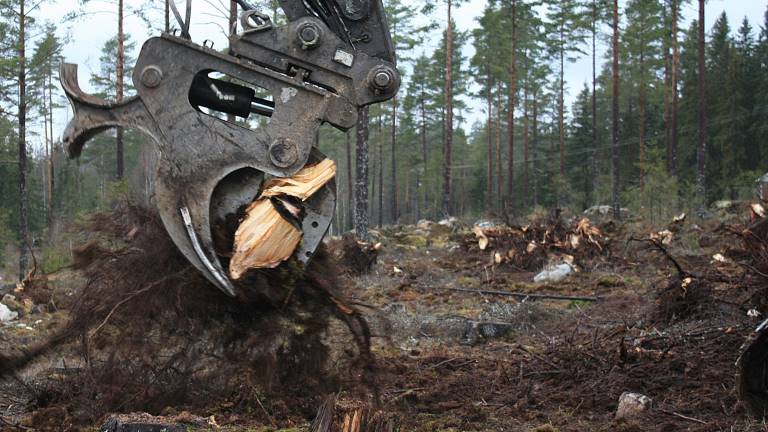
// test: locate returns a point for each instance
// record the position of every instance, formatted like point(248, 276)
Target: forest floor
point(454, 354)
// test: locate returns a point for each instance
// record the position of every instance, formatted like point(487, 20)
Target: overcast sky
point(87, 36)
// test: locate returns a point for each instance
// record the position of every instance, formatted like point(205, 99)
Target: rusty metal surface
point(209, 168)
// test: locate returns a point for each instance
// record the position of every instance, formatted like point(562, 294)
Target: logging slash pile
point(148, 332)
point(530, 247)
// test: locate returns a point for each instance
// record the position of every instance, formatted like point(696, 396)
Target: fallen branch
point(684, 417)
point(527, 295)
point(682, 273)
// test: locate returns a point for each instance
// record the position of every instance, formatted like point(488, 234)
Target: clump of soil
point(354, 256)
point(682, 297)
point(149, 331)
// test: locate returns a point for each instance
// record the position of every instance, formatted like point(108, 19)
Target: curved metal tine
point(182, 25)
point(222, 281)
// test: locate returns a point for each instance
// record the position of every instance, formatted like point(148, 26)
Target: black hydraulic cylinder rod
point(221, 96)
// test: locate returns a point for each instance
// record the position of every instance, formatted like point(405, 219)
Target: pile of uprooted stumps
point(529, 247)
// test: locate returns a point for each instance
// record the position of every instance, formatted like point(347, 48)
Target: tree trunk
point(395, 202)
point(511, 110)
point(615, 114)
point(51, 180)
point(675, 98)
point(448, 157)
point(595, 145)
point(119, 86)
point(380, 186)
point(561, 103)
point(231, 31)
point(701, 151)
point(167, 16)
point(489, 190)
point(667, 99)
point(23, 195)
point(641, 102)
point(350, 194)
point(361, 177)
point(526, 191)
point(499, 176)
point(423, 134)
point(534, 144)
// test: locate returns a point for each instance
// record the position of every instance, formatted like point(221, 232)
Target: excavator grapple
point(330, 58)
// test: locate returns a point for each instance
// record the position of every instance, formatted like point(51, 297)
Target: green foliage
point(56, 255)
point(656, 198)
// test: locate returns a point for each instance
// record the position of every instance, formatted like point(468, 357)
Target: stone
point(7, 315)
point(632, 404)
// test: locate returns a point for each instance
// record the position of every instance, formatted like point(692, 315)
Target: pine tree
point(44, 67)
point(567, 27)
point(615, 114)
point(701, 149)
point(642, 39)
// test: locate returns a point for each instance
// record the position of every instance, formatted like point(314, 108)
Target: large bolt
point(384, 80)
point(283, 153)
point(309, 35)
point(151, 76)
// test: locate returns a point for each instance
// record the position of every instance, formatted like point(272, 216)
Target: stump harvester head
point(329, 59)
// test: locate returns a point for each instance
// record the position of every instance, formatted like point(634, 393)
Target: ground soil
point(449, 360)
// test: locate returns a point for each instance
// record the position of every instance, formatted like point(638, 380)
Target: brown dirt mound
point(151, 332)
point(355, 257)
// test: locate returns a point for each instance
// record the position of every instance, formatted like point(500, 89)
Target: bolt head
point(151, 76)
point(283, 153)
point(309, 35)
point(382, 79)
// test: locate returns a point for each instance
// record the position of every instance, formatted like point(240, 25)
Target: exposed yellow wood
point(265, 238)
point(304, 183)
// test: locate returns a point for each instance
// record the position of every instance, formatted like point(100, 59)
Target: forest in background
point(674, 120)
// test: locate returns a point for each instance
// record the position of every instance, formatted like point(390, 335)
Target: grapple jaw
point(210, 168)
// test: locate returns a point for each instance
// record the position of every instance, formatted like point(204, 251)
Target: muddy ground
point(452, 354)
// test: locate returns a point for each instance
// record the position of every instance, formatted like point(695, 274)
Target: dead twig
point(684, 417)
point(657, 244)
point(526, 295)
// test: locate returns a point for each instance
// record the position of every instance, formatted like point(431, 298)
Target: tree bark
point(641, 113)
point(489, 190)
point(701, 150)
point(615, 115)
point(511, 110)
point(167, 16)
point(361, 177)
point(350, 190)
point(561, 102)
point(675, 95)
point(23, 193)
point(395, 191)
point(595, 145)
point(667, 98)
point(50, 169)
point(535, 143)
point(232, 30)
point(380, 186)
point(448, 156)
point(526, 191)
point(119, 86)
point(499, 176)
